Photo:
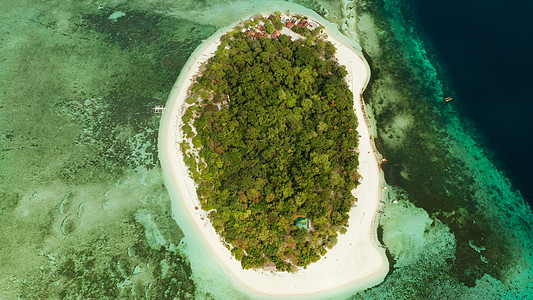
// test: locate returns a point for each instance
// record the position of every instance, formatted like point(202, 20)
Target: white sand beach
point(356, 262)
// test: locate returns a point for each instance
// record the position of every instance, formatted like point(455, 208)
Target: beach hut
point(302, 222)
point(270, 267)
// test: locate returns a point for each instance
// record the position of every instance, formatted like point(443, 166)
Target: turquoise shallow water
point(84, 212)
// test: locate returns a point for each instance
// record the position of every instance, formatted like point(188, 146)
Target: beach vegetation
point(273, 140)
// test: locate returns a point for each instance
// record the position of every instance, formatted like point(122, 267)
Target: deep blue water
point(486, 49)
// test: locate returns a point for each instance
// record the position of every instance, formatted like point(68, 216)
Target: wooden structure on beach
point(270, 267)
point(159, 108)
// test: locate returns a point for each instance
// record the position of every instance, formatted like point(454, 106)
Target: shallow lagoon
point(83, 207)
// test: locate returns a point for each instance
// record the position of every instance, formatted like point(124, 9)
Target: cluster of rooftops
point(259, 29)
point(294, 21)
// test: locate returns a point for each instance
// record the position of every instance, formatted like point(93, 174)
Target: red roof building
point(276, 34)
point(302, 24)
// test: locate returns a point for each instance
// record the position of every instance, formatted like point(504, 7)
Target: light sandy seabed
point(355, 263)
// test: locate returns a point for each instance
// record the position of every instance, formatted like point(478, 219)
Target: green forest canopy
point(273, 138)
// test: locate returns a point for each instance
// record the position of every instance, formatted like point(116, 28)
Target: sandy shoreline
point(355, 263)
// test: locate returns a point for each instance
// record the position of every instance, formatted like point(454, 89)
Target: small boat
point(448, 99)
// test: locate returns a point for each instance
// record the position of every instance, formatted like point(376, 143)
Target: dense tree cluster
point(273, 138)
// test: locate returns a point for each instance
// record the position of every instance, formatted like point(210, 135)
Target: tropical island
point(268, 159)
point(271, 140)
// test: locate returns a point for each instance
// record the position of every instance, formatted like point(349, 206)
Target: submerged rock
point(116, 15)
point(65, 202)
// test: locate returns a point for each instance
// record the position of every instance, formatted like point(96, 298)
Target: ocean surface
point(84, 212)
point(488, 61)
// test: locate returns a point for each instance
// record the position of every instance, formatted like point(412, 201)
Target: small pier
point(159, 109)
